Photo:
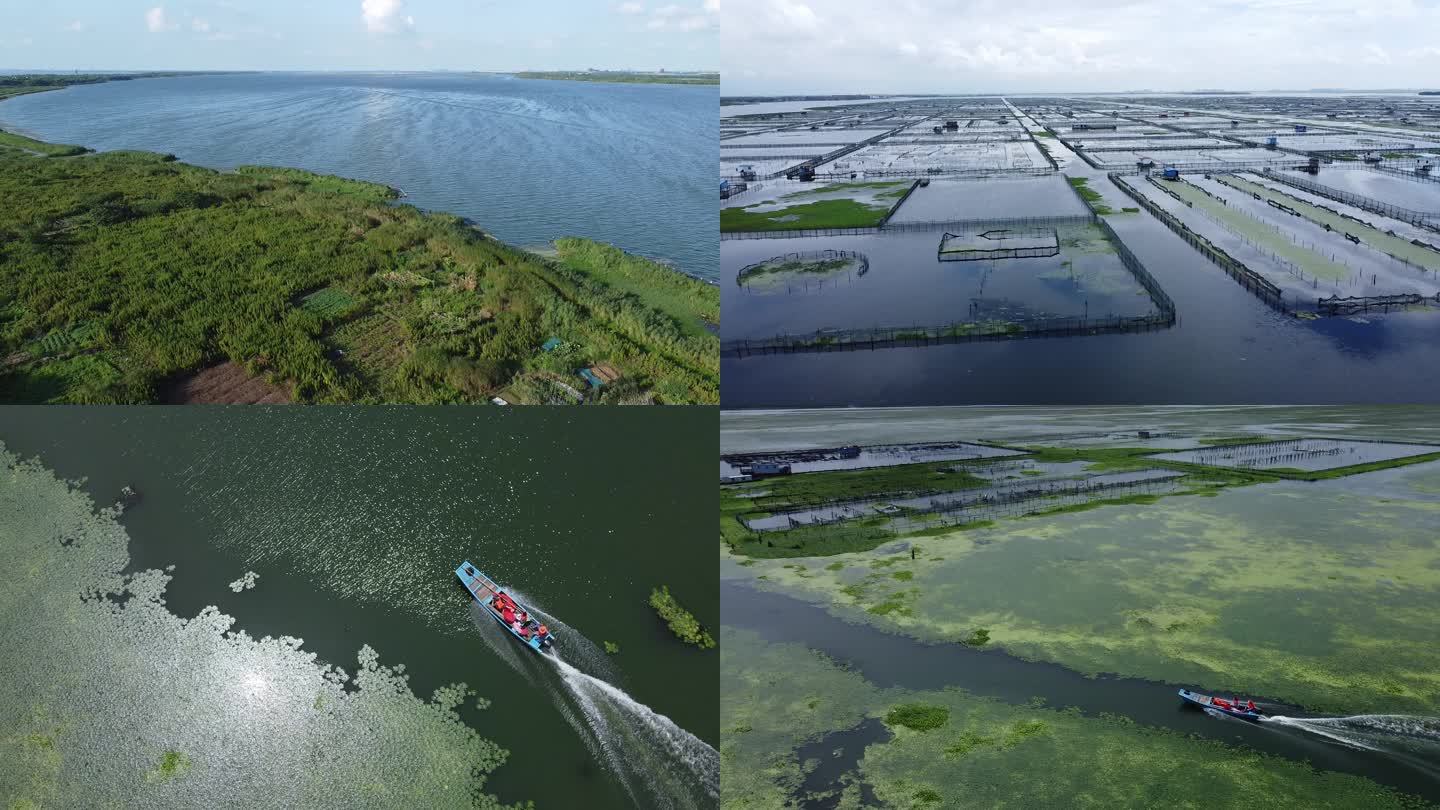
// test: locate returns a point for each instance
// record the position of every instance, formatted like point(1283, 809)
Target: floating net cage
point(1001, 243)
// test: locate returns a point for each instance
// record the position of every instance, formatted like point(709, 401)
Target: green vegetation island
point(682, 623)
point(129, 277)
point(864, 204)
point(622, 76)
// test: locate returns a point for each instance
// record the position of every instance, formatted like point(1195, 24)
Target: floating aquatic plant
point(684, 625)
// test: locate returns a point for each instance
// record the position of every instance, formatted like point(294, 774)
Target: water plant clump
point(918, 716)
point(684, 625)
point(245, 583)
point(173, 764)
point(778, 273)
point(179, 696)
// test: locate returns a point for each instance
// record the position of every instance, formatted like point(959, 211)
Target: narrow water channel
point(888, 660)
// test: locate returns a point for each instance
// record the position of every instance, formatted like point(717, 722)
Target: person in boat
point(1249, 705)
point(543, 632)
point(524, 632)
point(508, 614)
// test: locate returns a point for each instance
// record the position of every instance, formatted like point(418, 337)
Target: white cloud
point(157, 21)
point(1037, 45)
point(712, 6)
point(76, 25)
point(673, 17)
point(384, 16)
point(200, 25)
point(630, 8)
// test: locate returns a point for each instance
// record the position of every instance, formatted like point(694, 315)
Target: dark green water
point(354, 520)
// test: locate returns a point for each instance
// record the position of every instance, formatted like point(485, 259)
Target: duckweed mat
point(111, 700)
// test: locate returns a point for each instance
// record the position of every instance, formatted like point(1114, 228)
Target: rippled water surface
point(352, 522)
point(527, 160)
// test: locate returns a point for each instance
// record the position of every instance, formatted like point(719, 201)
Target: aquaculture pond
point(274, 611)
point(1314, 598)
point(906, 283)
point(947, 200)
point(1226, 345)
point(1418, 195)
point(529, 160)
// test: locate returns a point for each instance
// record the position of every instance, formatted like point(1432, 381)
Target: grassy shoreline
point(122, 272)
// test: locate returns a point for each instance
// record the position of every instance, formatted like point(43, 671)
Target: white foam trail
point(1319, 729)
point(586, 654)
point(658, 763)
point(648, 752)
point(1399, 734)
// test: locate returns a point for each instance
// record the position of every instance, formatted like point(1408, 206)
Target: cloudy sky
point(358, 34)
point(838, 46)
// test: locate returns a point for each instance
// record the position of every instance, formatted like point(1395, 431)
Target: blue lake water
point(1226, 347)
point(527, 160)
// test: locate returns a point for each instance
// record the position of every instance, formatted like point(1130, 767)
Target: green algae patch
point(1314, 594)
point(918, 716)
point(172, 765)
point(978, 638)
point(681, 622)
point(839, 205)
point(118, 702)
point(818, 214)
point(986, 753)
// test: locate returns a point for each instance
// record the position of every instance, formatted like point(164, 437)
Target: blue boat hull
point(483, 589)
point(1230, 709)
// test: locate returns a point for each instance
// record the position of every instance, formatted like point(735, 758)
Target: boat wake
point(1411, 738)
point(658, 763)
point(582, 653)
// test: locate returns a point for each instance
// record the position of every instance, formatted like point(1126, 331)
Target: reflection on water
point(527, 160)
point(110, 699)
point(906, 282)
point(353, 520)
